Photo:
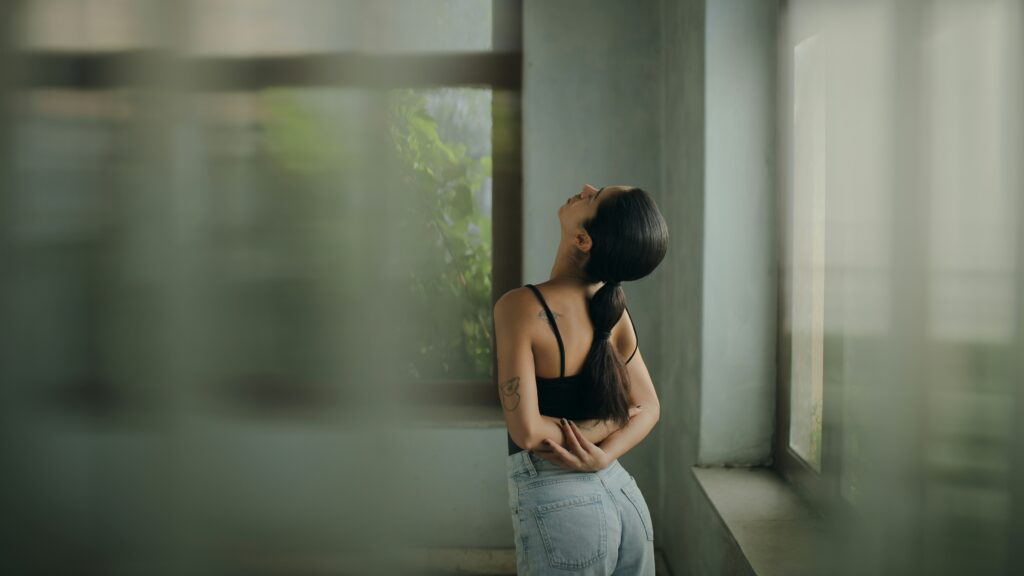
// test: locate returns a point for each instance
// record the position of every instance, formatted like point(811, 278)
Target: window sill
point(773, 529)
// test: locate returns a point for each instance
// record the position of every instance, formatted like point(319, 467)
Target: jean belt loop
point(528, 463)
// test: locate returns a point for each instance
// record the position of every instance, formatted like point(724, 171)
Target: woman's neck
point(568, 266)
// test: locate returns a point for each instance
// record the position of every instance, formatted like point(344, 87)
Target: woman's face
point(582, 207)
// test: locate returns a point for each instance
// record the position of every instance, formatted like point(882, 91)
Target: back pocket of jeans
point(573, 531)
point(633, 494)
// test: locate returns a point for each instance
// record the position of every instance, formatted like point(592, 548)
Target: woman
point(576, 393)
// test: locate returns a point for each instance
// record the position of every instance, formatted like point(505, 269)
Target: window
point(444, 143)
point(220, 152)
point(807, 251)
point(836, 130)
point(901, 208)
point(970, 318)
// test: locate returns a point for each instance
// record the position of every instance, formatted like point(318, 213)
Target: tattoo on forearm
point(584, 426)
point(510, 393)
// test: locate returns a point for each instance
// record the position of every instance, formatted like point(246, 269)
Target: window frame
point(821, 489)
point(499, 69)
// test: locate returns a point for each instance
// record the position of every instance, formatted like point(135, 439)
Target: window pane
point(293, 198)
point(66, 166)
point(807, 288)
point(256, 216)
point(288, 180)
point(443, 140)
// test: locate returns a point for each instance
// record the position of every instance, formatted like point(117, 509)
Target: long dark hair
point(629, 239)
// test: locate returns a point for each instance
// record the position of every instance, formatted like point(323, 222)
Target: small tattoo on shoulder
point(543, 316)
point(510, 393)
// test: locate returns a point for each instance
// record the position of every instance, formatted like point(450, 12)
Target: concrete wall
point(677, 367)
point(676, 97)
point(716, 358)
point(591, 109)
point(462, 495)
point(740, 279)
point(592, 114)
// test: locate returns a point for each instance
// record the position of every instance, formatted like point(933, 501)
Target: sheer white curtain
point(915, 133)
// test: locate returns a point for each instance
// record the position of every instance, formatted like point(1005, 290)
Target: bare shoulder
point(624, 335)
point(513, 304)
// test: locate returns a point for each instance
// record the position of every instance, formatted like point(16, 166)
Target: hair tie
point(602, 334)
point(613, 283)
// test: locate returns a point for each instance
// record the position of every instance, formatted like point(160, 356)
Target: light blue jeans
point(570, 522)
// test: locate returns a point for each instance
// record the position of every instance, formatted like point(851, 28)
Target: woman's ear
point(583, 242)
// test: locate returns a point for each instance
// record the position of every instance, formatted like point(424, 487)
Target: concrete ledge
point(483, 562)
point(773, 529)
point(445, 561)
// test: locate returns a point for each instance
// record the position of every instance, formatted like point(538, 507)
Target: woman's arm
point(643, 393)
point(585, 456)
point(517, 381)
point(594, 430)
point(582, 454)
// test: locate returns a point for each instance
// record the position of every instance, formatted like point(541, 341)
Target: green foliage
point(297, 136)
point(446, 236)
point(451, 283)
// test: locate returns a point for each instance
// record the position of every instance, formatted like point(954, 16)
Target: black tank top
point(561, 397)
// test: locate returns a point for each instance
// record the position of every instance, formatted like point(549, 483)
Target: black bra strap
point(551, 319)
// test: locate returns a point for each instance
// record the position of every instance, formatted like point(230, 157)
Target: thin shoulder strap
point(635, 333)
point(551, 320)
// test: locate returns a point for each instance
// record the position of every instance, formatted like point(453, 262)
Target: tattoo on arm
point(583, 424)
point(510, 393)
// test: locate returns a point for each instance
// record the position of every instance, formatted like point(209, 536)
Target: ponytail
point(630, 239)
point(607, 375)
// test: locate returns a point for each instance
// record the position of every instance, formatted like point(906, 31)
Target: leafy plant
point(446, 229)
point(451, 282)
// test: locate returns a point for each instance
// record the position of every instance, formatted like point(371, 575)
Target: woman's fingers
point(567, 458)
point(570, 436)
point(580, 438)
point(586, 462)
point(550, 456)
point(596, 458)
point(582, 454)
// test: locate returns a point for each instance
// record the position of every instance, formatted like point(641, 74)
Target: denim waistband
point(527, 464)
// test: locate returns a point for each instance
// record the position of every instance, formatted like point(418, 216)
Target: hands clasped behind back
point(579, 453)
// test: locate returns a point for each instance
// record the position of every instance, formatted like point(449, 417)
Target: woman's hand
point(583, 455)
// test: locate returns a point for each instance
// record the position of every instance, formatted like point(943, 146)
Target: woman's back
point(560, 349)
point(568, 305)
point(563, 346)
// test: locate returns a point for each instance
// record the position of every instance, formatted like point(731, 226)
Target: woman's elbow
point(532, 445)
point(655, 412)
point(526, 439)
point(531, 440)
